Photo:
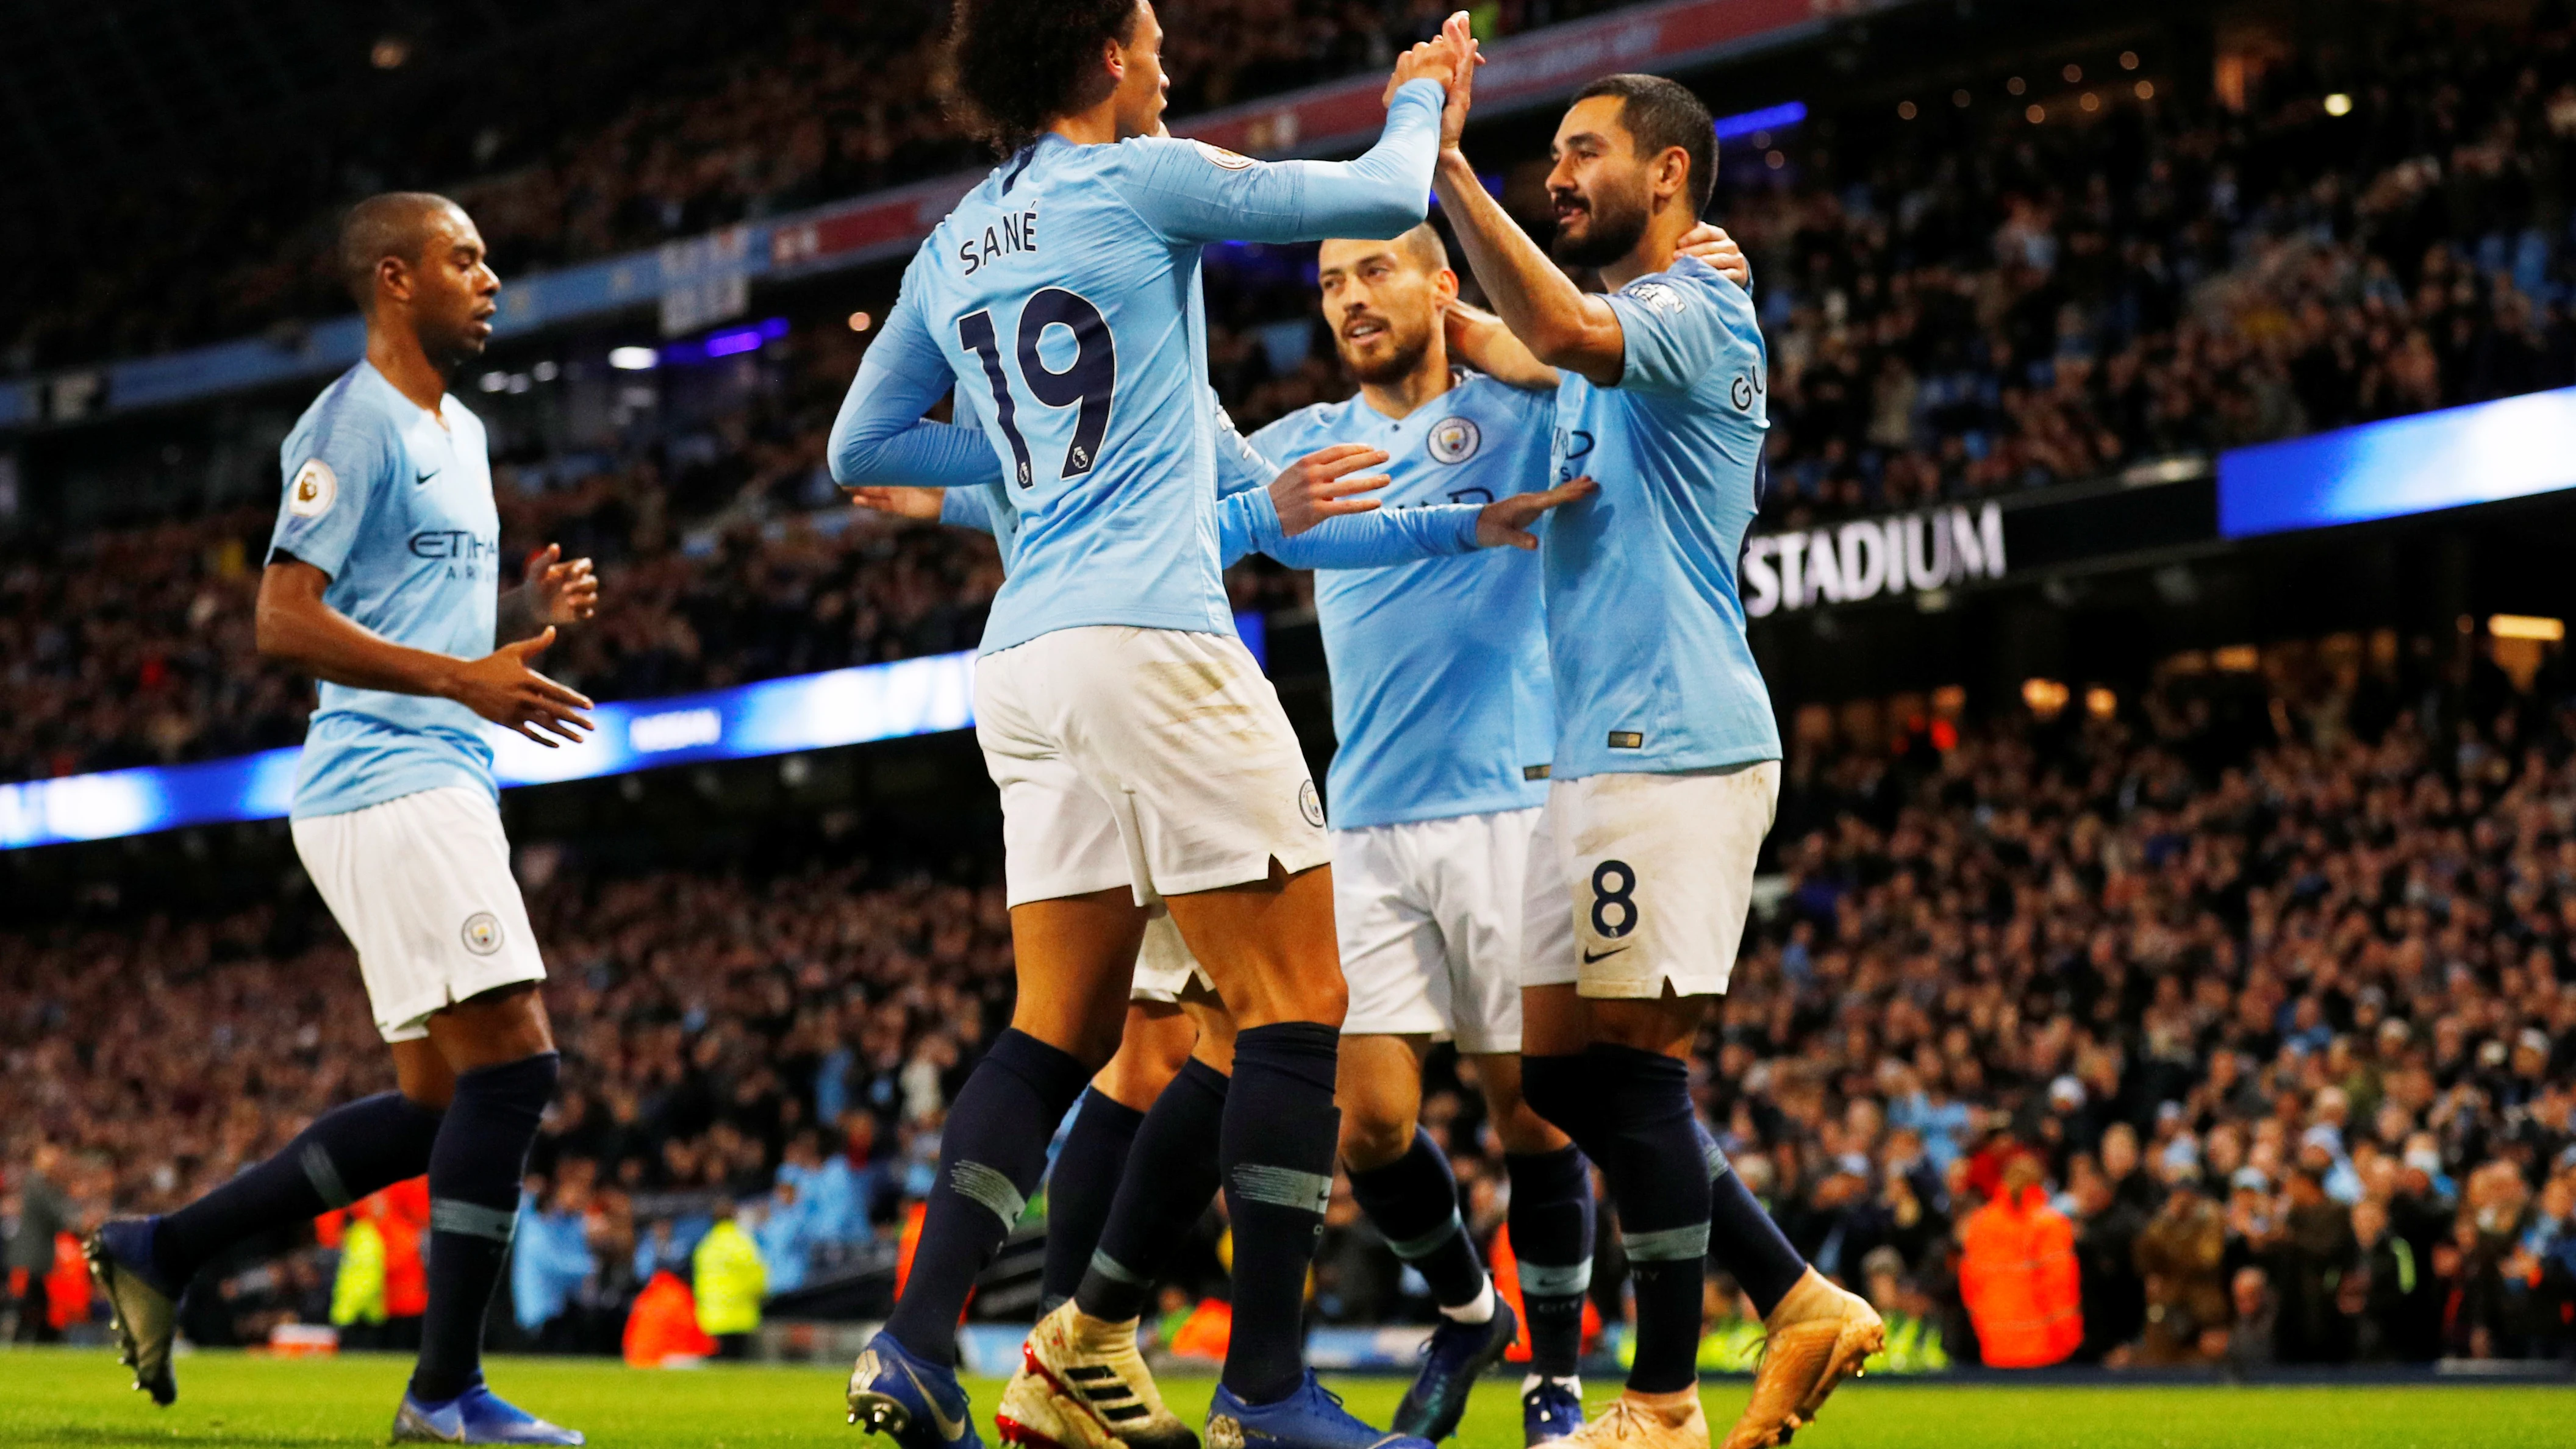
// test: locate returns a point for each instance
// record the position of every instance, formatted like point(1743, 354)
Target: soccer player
point(381, 581)
point(1666, 769)
point(1140, 754)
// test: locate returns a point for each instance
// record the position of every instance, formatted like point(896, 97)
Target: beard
point(1403, 354)
point(1615, 231)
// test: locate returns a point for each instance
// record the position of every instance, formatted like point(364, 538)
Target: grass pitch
point(58, 1398)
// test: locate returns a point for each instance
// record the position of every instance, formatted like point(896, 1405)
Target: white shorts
point(1153, 759)
point(422, 886)
point(1658, 872)
point(1432, 916)
point(1164, 966)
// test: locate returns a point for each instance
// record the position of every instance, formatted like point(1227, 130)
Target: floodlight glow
point(632, 359)
point(1769, 118)
point(2484, 453)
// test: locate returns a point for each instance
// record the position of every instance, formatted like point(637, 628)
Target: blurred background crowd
point(2253, 1013)
point(1957, 306)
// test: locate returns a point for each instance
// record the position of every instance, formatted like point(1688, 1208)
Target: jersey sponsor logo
point(314, 490)
point(482, 933)
point(1455, 439)
point(1740, 393)
point(1656, 296)
point(1310, 804)
point(1219, 156)
point(452, 543)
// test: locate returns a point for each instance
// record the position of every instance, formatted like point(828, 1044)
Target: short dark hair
point(1022, 63)
point(1660, 113)
point(390, 224)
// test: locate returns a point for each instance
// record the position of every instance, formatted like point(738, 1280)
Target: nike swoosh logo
point(950, 1429)
point(423, 478)
point(1591, 956)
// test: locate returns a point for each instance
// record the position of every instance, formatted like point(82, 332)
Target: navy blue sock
point(1414, 1202)
point(1648, 1148)
point(1551, 1227)
point(1276, 1151)
point(474, 1172)
point(352, 1150)
point(1742, 1238)
point(990, 1159)
point(1171, 1176)
point(1080, 1188)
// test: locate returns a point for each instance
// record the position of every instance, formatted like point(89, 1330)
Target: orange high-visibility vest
point(2018, 1275)
point(663, 1324)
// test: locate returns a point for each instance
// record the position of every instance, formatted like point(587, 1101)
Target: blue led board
point(776, 717)
point(2484, 453)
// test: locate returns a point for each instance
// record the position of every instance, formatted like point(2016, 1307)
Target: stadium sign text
point(1936, 548)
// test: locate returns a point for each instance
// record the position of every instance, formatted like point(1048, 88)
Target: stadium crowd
point(1957, 305)
point(620, 143)
point(2209, 1033)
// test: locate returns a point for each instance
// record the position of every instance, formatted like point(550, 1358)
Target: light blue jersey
point(1653, 674)
point(1063, 294)
point(398, 511)
point(1441, 694)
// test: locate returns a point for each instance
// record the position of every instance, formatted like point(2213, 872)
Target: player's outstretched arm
point(556, 592)
point(1506, 521)
point(295, 627)
point(1194, 193)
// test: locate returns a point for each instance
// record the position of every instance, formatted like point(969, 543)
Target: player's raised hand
point(1712, 245)
point(561, 593)
point(504, 688)
point(920, 503)
point(1459, 34)
point(1507, 520)
point(1321, 485)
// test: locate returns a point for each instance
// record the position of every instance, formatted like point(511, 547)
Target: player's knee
point(1522, 1130)
point(1375, 1132)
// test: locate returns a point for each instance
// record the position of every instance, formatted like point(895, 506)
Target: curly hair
point(1020, 64)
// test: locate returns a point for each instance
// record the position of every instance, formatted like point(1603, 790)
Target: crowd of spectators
point(1957, 304)
point(2272, 1009)
point(2021, 285)
point(736, 112)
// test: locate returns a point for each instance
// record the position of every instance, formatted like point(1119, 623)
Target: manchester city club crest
point(1311, 803)
point(482, 933)
point(1455, 439)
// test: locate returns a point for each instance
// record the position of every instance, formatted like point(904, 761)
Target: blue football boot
point(1550, 1410)
point(1311, 1418)
point(145, 1310)
point(476, 1416)
point(1457, 1355)
point(917, 1403)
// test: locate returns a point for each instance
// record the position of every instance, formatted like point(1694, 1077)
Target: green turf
point(81, 1398)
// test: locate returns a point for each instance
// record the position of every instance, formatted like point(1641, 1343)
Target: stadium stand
point(2171, 278)
point(2303, 999)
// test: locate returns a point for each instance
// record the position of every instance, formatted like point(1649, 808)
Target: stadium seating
point(2319, 987)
